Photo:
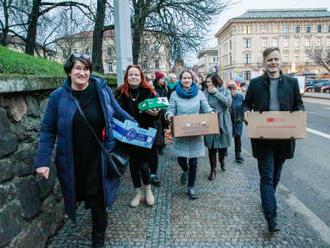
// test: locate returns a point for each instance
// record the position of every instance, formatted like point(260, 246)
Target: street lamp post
point(123, 39)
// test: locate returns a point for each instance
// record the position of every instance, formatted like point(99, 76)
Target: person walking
point(272, 91)
point(219, 99)
point(79, 163)
point(237, 117)
point(188, 99)
point(135, 89)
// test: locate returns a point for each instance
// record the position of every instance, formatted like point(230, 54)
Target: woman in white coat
point(188, 99)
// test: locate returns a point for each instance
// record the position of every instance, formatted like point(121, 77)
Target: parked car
point(315, 85)
point(325, 89)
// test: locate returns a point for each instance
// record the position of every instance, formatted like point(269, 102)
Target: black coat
point(144, 120)
point(257, 99)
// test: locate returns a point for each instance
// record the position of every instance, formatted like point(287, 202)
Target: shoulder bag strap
point(88, 124)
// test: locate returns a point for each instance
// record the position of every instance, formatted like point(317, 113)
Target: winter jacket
point(257, 99)
point(236, 112)
point(188, 147)
point(220, 102)
point(57, 126)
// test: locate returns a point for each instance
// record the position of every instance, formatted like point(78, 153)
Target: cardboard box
point(129, 132)
point(277, 125)
point(195, 125)
point(153, 103)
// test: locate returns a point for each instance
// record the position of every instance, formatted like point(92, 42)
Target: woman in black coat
point(135, 89)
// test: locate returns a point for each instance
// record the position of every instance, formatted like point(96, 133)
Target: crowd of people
point(81, 163)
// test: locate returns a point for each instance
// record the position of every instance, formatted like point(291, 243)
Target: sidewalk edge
point(317, 224)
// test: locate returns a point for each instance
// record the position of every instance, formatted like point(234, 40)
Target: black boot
point(213, 164)
point(272, 225)
point(222, 154)
point(99, 225)
point(238, 157)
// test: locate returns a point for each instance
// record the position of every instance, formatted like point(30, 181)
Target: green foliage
point(12, 62)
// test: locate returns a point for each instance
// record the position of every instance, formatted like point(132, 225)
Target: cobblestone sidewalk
point(227, 214)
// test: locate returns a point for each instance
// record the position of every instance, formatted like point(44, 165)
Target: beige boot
point(138, 197)
point(150, 200)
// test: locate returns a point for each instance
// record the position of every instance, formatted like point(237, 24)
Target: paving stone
point(227, 214)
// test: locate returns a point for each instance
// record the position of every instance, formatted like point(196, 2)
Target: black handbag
point(117, 160)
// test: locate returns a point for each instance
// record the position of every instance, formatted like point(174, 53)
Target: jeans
point(270, 168)
point(238, 143)
point(192, 169)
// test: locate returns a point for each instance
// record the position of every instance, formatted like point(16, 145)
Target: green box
point(153, 103)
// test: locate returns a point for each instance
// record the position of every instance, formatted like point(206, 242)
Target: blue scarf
point(187, 93)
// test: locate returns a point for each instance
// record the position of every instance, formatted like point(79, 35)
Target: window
point(308, 29)
point(110, 67)
point(307, 42)
point(286, 29)
point(318, 41)
point(329, 28)
point(246, 29)
point(296, 58)
point(286, 58)
point(275, 43)
point(298, 29)
point(214, 59)
point(328, 42)
point(247, 58)
point(157, 64)
point(247, 75)
point(296, 42)
point(286, 42)
point(275, 29)
point(319, 28)
point(306, 57)
point(263, 28)
point(230, 59)
point(263, 43)
point(230, 45)
point(109, 51)
point(248, 43)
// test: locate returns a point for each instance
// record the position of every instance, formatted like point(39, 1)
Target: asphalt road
point(307, 174)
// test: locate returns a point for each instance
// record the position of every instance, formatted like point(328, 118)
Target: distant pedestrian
point(219, 99)
point(135, 89)
point(79, 159)
point(272, 91)
point(188, 99)
point(237, 117)
point(172, 83)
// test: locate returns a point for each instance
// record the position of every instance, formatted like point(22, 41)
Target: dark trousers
point(153, 160)
point(270, 168)
point(99, 224)
point(238, 143)
point(192, 170)
point(139, 170)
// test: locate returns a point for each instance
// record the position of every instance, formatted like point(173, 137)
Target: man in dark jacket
point(272, 91)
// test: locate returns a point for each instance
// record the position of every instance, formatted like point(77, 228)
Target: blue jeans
point(192, 169)
point(270, 168)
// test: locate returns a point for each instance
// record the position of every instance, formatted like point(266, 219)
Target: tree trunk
point(32, 29)
point(136, 45)
point(4, 34)
point(98, 36)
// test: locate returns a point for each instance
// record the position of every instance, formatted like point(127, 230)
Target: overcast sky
point(242, 6)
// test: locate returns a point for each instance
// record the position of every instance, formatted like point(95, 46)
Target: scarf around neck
point(187, 93)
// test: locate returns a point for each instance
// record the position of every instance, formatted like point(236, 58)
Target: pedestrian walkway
point(227, 214)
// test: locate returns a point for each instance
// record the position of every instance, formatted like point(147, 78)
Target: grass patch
point(12, 62)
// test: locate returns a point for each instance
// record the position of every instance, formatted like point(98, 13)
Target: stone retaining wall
point(31, 208)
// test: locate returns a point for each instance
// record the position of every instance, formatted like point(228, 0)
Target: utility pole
point(123, 39)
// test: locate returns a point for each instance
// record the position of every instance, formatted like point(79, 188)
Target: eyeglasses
point(80, 56)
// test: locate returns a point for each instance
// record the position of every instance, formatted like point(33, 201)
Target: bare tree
point(39, 8)
point(320, 57)
point(185, 22)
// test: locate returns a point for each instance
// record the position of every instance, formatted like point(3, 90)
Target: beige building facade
point(207, 60)
point(299, 33)
point(155, 50)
